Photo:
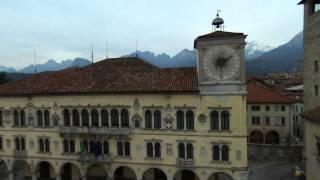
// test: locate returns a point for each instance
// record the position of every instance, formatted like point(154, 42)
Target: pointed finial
point(218, 22)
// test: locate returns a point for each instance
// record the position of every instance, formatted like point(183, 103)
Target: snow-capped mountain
point(255, 49)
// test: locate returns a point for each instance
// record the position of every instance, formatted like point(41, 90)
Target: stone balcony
point(185, 162)
point(91, 158)
point(20, 154)
point(95, 130)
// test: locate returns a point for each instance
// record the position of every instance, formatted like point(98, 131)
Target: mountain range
point(260, 59)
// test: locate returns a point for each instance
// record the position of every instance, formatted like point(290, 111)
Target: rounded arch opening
point(21, 170)
point(154, 174)
point(124, 173)
point(186, 175)
point(220, 176)
point(44, 170)
point(4, 171)
point(70, 171)
point(96, 172)
point(256, 137)
point(272, 137)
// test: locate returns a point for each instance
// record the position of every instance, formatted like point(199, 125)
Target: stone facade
point(128, 135)
point(311, 85)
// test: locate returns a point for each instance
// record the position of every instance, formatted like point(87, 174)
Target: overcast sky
point(65, 29)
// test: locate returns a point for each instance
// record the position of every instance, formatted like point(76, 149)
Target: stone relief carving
point(238, 155)
point(55, 107)
point(7, 116)
point(203, 152)
point(8, 143)
point(202, 118)
point(221, 98)
point(169, 149)
point(56, 118)
point(168, 116)
point(136, 105)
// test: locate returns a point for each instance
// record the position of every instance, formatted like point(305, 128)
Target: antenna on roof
point(35, 61)
point(92, 53)
point(136, 48)
point(107, 50)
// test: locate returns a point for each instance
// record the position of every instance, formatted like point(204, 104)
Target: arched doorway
point(70, 172)
point(272, 137)
point(21, 170)
point(186, 175)
point(45, 171)
point(96, 172)
point(154, 174)
point(220, 176)
point(124, 173)
point(256, 137)
point(4, 170)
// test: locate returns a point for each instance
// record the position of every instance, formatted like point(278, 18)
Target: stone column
point(185, 120)
point(109, 119)
point(11, 175)
point(71, 118)
point(80, 118)
point(58, 177)
point(185, 151)
point(220, 153)
point(99, 117)
point(219, 120)
point(34, 176)
point(90, 119)
point(119, 118)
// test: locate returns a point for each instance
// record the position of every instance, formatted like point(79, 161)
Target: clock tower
point(221, 61)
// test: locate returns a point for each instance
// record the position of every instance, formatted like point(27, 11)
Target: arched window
point(39, 118)
point(149, 150)
point(316, 66)
point(72, 146)
point(225, 153)
point(22, 118)
point(216, 153)
point(137, 123)
point(124, 118)
point(114, 118)
point(127, 149)
point(120, 148)
point(181, 150)
point(1, 119)
point(17, 144)
point(105, 147)
point(180, 119)
point(148, 119)
point(98, 149)
point(46, 118)
point(66, 117)
point(16, 118)
point(189, 151)
point(104, 118)
point(157, 119)
point(94, 118)
point(23, 144)
point(157, 150)
point(47, 145)
point(41, 145)
point(65, 146)
point(225, 120)
point(214, 119)
point(75, 118)
point(85, 117)
point(190, 120)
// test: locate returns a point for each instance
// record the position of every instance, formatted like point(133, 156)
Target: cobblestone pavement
point(273, 170)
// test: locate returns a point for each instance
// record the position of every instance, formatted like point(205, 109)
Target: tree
point(3, 78)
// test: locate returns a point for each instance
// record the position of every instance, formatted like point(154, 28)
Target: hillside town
point(127, 118)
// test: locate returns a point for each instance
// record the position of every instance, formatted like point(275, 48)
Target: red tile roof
point(119, 75)
point(312, 115)
point(259, 94)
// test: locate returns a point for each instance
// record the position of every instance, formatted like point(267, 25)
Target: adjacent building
point(126, 119)
point(311, 87)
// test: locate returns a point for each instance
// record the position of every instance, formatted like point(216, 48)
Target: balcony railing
point(91, 158)
point(95, 130)
point(185, 162)
point(20, 154)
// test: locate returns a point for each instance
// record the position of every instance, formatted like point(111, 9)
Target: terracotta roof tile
point(121, 75)
point(312, 115)
point(259, 94)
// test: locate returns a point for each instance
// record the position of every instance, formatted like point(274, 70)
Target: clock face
point(221, 62)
